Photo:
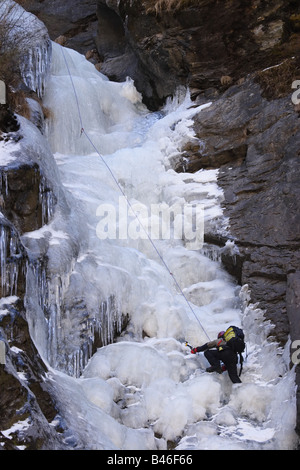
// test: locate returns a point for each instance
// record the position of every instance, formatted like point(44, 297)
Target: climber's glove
point(202, 348)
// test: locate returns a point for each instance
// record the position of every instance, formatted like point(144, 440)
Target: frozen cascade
point(146, 389)
point(32, 37)
point(35, 69)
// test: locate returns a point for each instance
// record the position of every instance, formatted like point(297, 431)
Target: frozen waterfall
point(22, 28)
point(105, 275)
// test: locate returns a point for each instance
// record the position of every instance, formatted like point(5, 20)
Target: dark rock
point(293, 303)
point(205, 45)
point(24, 397)
point(24, 195)
point(8, 121)
point(74, 19)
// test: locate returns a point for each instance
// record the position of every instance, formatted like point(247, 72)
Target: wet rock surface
point(205, 45)
point(22, 193)
point(75, 20)
point(255, 144)
point(27, 410)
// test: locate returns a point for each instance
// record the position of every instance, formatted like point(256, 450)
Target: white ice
point(147, 389)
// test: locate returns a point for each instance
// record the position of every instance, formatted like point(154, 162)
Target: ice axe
point(193, 350)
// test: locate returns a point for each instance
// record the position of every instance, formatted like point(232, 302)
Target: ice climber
point(224, 349)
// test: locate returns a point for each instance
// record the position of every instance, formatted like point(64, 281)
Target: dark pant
point(228, 357)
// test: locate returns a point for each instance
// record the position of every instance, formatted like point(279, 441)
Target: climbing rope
point(82, 131)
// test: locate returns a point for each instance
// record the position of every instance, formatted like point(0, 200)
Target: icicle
point(3, 255)
point(212, 252)
point(32, 38)
point(35, 69)
point(70, 346)
point(47, 201)
point(11, 259)
point(3, 183)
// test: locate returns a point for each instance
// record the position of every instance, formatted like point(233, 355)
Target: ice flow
point(145, 389)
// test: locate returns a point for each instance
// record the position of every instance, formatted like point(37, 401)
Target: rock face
point(27, 409)
point(255, 143)
point(161, 45)
point(75, 20)
point(206, 45)
point(25, 192)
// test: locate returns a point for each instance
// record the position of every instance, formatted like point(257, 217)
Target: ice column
point(36, 67)
point(11, 258)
